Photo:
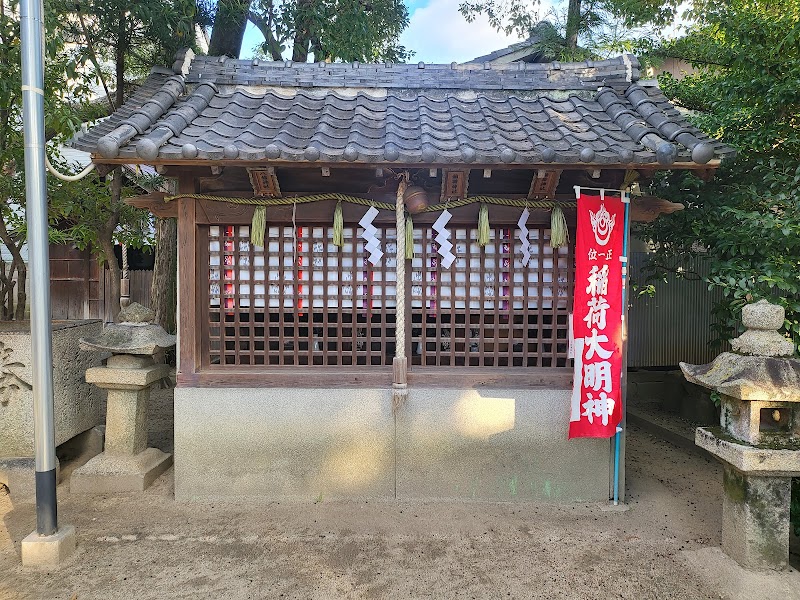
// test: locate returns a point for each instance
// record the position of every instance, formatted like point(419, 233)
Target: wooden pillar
point(188, 330)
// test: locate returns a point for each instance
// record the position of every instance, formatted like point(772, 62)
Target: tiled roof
point(225, 109)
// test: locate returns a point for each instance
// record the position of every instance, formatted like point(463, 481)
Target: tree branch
point(264, 26)
point(93, 58)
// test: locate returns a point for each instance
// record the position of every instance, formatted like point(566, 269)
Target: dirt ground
point(147, 546)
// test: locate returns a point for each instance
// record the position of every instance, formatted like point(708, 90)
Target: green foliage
point(84, 43)
point(604, 27)
point(746, 221)
point(347, 30)
point(79, 211)
point(63, 87)
point(143, 33)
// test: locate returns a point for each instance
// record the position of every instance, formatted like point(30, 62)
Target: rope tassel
point(483, 225)
point(559, 234)
point(338, 225)
point(258, 227)
point(409, 237)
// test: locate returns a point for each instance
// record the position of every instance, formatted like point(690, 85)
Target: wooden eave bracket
point(646, 209)
point(104, 169)
point(706, 174)
point(155, 204)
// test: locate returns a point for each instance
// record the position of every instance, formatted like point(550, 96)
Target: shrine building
point(321, 354)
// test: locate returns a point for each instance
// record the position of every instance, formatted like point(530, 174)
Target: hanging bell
point(416, 199)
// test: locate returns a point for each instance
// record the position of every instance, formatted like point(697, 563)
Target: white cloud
point(438, 33)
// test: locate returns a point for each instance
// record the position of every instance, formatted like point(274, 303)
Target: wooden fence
point(81, 289)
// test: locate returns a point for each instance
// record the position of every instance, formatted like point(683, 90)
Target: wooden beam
point(343, 377)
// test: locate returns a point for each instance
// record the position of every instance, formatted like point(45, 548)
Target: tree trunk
point(116, 275)
point(229, 26)
point(303, 33)
point(264, 26)
point(119, 58)
point(22, 296)
point(163, 290)
point(573, 24)
point(18, 265)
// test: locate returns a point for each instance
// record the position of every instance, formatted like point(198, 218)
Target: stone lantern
point(758, 441)
point(126, 463)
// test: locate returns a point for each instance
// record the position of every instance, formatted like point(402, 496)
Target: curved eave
point(651, 166)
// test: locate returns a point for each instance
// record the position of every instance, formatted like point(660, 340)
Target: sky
point(437, 33)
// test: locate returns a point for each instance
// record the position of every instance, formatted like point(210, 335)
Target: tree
point(132, 37)
point(63, 88)
point(746, 222)
point(349, 30)
point(229, 25)
point(588, 28)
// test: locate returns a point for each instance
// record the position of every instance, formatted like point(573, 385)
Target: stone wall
point(77, 404)
point(487, 444)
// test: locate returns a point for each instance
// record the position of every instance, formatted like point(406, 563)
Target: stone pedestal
point(126, 464)
point(758, 440)
point(755, 519)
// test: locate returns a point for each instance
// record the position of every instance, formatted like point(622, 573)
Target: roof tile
point(488, 114)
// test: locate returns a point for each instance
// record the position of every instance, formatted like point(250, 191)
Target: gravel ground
point(147, 546)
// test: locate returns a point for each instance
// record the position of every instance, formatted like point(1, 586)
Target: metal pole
point(31, 25)
point(624, 382)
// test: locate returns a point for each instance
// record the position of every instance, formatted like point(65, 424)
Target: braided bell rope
point(400, 266)
point(519, 203)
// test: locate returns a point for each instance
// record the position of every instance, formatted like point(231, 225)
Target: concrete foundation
point(493, 444)
point(48, 550)
point(76, 404)
point(496, 445)
point(755, 519)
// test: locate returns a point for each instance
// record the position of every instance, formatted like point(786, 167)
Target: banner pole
point(624, 378)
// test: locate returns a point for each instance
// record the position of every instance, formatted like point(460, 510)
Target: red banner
point(597, 317)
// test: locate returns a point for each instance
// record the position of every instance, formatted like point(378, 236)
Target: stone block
point(113, 473)
point(19, 476)
point(762, 343)
point(48, 550)
point(265, 444)
point(749, 459)
point(126, 421)
point(76, 403)
point(126, 378)
point(763, 316)
point(496, 444)
point(755, 519)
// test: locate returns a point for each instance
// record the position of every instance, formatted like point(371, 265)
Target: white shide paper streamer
point(522, 234)
point(443, 239)
point(373, 245)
